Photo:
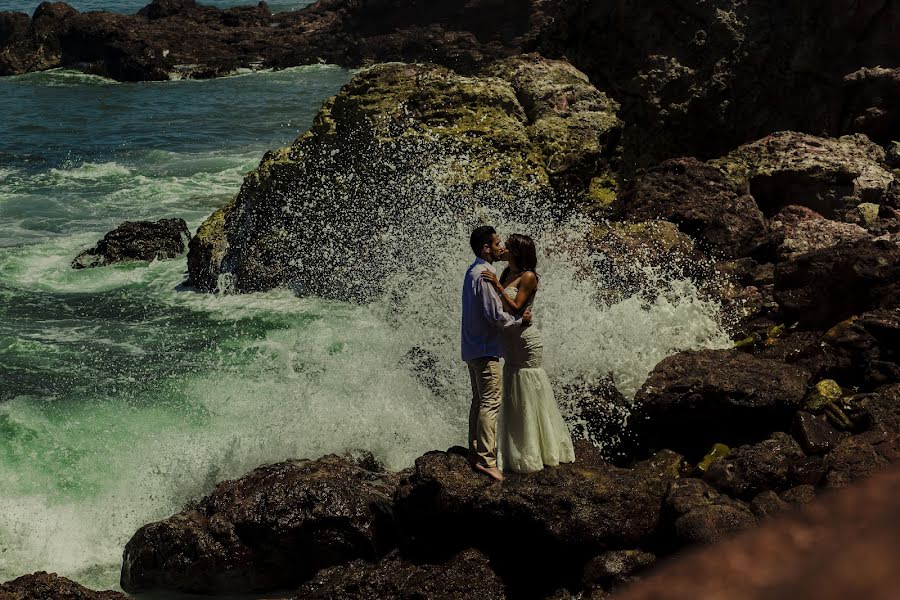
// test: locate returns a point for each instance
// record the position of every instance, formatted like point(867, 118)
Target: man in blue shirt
point(483, 321)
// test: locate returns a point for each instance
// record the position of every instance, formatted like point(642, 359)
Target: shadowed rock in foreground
point(270, 529)
point(845, 546)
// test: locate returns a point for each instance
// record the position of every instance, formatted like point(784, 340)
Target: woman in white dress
point(532, 432)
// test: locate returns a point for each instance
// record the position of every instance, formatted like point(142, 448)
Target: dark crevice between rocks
point(774, 192)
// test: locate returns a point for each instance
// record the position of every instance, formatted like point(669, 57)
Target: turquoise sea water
point(129, 7)
point(122, 395)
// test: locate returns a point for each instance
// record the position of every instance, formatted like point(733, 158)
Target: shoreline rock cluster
point(681, 71)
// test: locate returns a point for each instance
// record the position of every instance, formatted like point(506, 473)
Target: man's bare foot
point(492, 472)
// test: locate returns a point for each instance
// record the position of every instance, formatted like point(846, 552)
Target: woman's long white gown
point(531, 430)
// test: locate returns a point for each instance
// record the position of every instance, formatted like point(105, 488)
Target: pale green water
point(122, 397)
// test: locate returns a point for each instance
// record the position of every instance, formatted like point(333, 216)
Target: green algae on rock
point(573, 124)
point(828, 175)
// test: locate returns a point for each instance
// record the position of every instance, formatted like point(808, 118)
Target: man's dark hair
point(480, 238)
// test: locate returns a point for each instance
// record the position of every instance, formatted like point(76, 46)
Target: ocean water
point(123, 395)
point(130, 7)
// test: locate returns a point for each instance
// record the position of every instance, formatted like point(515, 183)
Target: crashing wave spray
point(164, 393)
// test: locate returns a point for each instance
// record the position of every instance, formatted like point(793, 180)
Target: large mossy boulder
point(696, 398)
point(403, 153)
point(573, 124)
point(271, 529)
point(46, 586)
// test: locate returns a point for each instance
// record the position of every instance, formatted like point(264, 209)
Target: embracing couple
point(496, 323)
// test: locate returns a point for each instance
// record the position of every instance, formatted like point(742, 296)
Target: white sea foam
point(92, 171)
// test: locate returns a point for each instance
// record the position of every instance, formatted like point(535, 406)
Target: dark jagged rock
point(866, 350)
point(46, 586)
point(137, 240)
point(871, 95)
point(616, 568)
point(754, 468)
point(844, 545)
point(821, 288)
point(806, 230)
point(599, 414)
point(33, 45)
point(815, 433)
point(799, 495)
point(702, 202)
point(271, 529)
point(768, 504)
point(828, 175)
point(881, 409)
point(539, 528)
point(697, 513)
point(159, 9)
point(860, 456)
point(689, 73)
point(466, 576)
point(696, 398)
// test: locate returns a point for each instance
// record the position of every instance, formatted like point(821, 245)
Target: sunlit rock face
point(401, 154)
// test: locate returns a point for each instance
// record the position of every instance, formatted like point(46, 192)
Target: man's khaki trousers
point(486, 377)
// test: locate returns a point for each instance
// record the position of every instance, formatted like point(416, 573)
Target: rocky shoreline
point(680, 71)
point(771, 181)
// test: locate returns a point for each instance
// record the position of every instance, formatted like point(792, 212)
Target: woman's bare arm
point(527, 286)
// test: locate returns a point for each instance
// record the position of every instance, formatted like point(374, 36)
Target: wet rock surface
point(748, 470)
point(693, 399)
point(703, 203)
point(466, 575)
point(45, 586)
point(698, 514)
point(867, 272)
point(616, 568)
point(269, 530)
point(137, 241)
point(533, 525)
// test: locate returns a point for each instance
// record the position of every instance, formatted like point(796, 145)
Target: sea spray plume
point(374, 205)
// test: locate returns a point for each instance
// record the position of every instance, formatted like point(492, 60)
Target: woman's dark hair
point(522, 248)
point(480, 238)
